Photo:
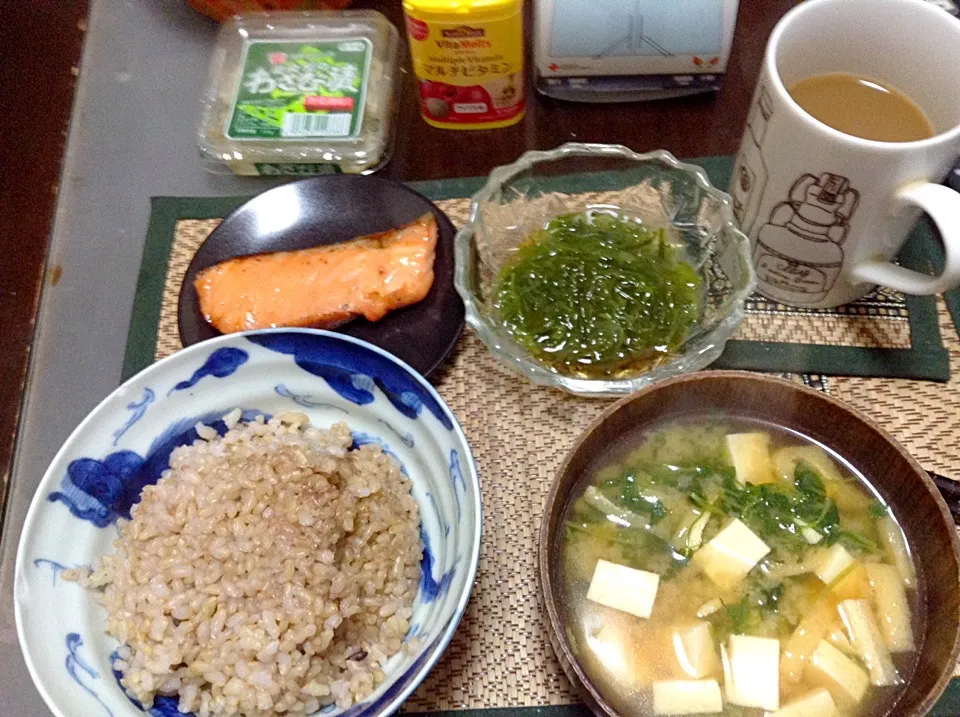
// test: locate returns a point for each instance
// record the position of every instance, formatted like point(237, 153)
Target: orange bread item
point(321, 287)
point(220, 10)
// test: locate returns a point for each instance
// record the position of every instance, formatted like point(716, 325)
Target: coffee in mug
point(861, 106)
point(854, 122)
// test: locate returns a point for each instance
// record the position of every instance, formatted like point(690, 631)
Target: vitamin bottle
point(468, 60)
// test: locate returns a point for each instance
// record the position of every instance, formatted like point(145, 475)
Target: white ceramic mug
point(826, 212)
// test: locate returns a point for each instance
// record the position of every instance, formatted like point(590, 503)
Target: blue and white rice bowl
point(125, 444)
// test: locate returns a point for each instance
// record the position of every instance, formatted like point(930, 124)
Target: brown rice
point(269, 571)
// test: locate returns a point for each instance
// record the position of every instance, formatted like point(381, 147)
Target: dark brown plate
point(897, 477)
point(329, 210)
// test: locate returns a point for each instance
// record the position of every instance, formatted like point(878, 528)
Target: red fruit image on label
point(440, 91)
point(315, 103)
point(466, 105)
point(430, 89)
point(474, 95)
point(417, 29)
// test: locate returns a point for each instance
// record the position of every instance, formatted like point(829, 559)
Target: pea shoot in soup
point(725, 566)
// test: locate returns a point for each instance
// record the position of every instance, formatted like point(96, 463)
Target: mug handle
point(943, 206)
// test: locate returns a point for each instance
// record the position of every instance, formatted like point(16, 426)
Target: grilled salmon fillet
point(321, 287)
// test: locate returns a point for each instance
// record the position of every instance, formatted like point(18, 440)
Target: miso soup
point(724, 566)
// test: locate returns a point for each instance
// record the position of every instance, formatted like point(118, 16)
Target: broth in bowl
point(724, 566)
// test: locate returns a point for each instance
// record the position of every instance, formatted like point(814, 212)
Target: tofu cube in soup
point(623, 644)
point(750, 454)
point(752, 672)
point(615, 649)
point(624, 588)
point(817, 703)
point(687, 697)
point(846, 681)
point(695, 650)
point(731, 554)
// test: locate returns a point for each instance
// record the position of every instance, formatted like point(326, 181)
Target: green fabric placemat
point(924, 359)
point(953, 306)
point(951, 298)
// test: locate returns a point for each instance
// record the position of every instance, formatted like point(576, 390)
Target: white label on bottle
point(470, 108)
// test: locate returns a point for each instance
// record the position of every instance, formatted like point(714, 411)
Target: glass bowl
point(655, 188)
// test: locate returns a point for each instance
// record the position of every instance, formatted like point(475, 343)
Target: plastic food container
point(301, 93)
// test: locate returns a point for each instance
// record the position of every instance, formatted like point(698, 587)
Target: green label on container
point(295, 169)
point(301, 90)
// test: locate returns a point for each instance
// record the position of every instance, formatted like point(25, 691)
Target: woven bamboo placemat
point(500, 656)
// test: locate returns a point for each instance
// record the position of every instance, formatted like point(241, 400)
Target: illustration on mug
point(798, 254)
point(750, 173)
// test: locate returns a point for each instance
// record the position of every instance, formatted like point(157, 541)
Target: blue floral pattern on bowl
point(125, 445)
point(79, 670)
point(102, 490)
point(219, 364)
point(138, 410)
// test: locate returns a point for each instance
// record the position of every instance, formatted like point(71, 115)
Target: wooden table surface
point(688, 127)
point(42, 41)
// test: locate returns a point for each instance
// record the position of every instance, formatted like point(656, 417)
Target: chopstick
point(950, 491)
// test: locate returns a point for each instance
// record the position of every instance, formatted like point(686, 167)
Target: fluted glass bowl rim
point(698, 352)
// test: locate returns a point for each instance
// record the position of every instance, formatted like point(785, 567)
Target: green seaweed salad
point(597, 295)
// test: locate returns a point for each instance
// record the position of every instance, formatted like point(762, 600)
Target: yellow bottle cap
point(478, 9)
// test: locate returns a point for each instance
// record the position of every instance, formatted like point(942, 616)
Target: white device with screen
point(614, 50)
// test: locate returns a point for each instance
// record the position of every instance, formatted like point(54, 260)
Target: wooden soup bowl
point(898, 478)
